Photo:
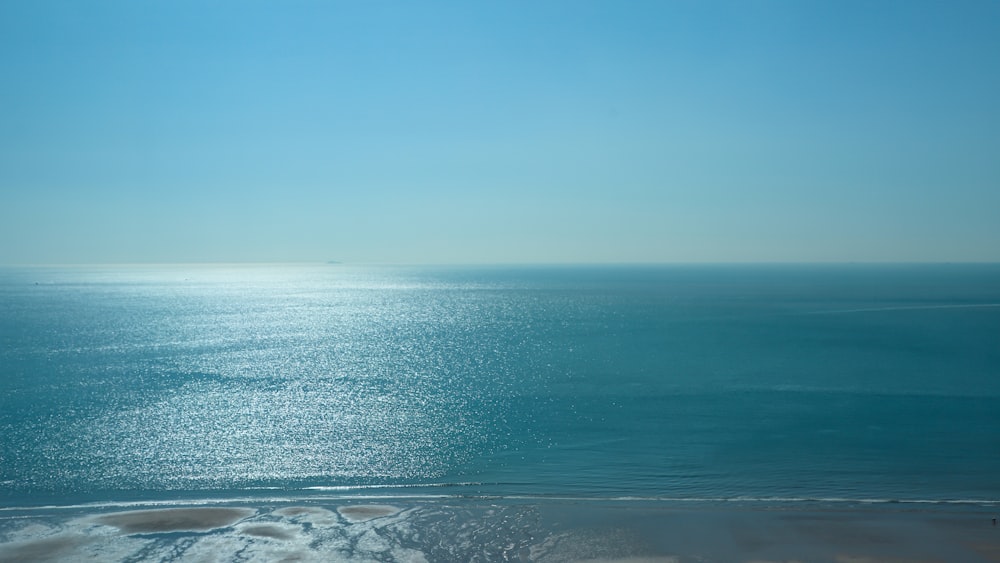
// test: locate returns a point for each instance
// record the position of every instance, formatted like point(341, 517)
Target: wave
point(391, 486)
point(906, 308)
point(473, 497)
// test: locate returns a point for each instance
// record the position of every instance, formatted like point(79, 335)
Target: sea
point(413, 388)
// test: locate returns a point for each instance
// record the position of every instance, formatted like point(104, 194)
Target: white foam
point(339, 488)
point(291, 499)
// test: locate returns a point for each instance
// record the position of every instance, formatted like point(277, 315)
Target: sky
point(495, 131)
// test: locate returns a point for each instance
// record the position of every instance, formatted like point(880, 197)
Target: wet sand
point(480, 530)
point(174, 519)
point(366, 512)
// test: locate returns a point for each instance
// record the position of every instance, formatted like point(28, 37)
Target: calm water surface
point(681, 382)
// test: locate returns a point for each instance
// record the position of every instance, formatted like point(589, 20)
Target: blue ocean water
point(855, 382)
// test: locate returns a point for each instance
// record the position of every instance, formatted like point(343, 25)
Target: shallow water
point(461, 530)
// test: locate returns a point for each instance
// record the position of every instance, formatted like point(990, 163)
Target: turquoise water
point(856, 382)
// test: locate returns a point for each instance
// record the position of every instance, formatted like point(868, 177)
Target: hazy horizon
point(507, 133)
point(549, 264)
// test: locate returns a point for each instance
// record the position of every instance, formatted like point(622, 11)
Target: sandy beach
point(547, 531)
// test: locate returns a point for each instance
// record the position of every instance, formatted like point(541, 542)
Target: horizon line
point(495, 264)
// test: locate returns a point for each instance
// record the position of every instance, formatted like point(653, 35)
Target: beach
point(501, 530)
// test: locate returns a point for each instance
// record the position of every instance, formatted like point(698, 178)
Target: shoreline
point(545, 530)
point(471, 492)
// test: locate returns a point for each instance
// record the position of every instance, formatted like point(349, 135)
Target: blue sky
point(449, 132)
